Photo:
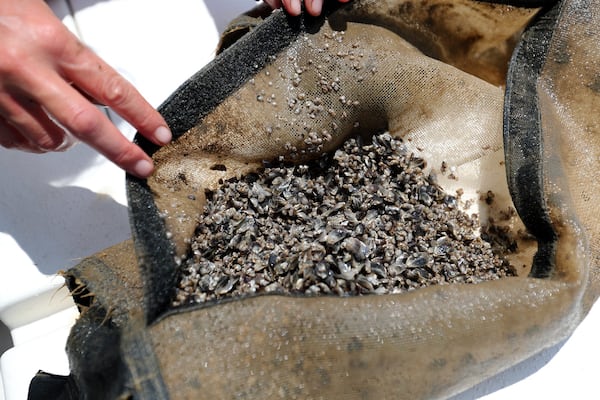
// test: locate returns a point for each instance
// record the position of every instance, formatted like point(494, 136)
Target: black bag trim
point(523, 137)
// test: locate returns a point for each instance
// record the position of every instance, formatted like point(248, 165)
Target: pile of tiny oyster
point(363, 220)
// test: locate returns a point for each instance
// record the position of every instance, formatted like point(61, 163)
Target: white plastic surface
point(57, 208)
point(46, 352)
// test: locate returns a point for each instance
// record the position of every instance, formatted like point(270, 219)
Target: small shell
point(225, 285)
point(418, 260)
point(357, 248)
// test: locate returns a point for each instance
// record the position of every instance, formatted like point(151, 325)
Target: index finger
point(85, 121)
point(100, 81)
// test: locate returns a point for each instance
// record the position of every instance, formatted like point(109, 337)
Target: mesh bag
point(294, 88)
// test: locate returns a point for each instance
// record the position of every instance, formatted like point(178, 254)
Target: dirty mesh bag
point(432, 73)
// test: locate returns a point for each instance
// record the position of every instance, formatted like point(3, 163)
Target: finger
point(11, 138)
point(314, 7)
point(88, 97)
point(93, 76)
point(89, 124)
point(28, 118)
point(292, 6)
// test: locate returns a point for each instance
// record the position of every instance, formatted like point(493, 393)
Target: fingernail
point(143, 168)
point(293, 7)
point(317, 7)
point(163, 135)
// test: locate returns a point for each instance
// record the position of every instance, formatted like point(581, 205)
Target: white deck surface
point(57, 208)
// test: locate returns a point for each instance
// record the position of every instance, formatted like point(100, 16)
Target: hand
point(313, 7)
point(48, 75)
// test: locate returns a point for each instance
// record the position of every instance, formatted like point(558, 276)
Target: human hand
point(48, 75)
point(313, 7)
